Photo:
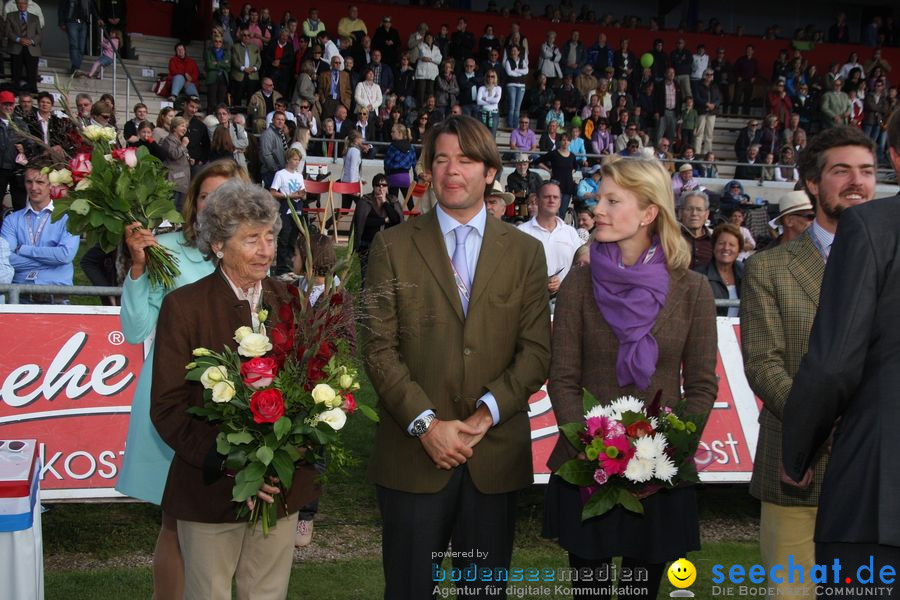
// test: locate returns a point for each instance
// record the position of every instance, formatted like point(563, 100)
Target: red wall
point(156, 19)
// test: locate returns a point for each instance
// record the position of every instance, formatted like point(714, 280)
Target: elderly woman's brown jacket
point(584, 350)
point(204, 314)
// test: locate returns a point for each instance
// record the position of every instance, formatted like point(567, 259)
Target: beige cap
point(496, 189)
point(792, 202)
point(685, 167)
point(522, 157)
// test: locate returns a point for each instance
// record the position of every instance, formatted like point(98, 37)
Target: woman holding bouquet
point(237, 231)
point(638, 322)
point(147, 457)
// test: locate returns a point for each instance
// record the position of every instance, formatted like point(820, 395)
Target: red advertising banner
point(67, 378)
point(729, 441)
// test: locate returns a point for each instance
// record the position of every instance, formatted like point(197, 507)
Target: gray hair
point(231, 205)
point(690, 194)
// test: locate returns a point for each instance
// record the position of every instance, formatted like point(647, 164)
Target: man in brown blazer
point(23, 33)
point(334, 87)
point(780, 296)
point(458, 339)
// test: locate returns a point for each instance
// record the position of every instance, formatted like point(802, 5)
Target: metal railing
point(16, 290)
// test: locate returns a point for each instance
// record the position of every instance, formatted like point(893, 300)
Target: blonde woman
point(636, 321)
point(488, 99)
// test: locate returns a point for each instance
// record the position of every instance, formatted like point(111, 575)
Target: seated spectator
point(749, 169)
point(435, 114)
point(496, 199)
point(570, 98)
point(144, 137)
point(769, 137)
point(584, 218)
point(577, 146)
point(261, 104)
point(523, 181)
point(732, 197)
point(53, 131)
point(560, 240)
point(694, 214)
point(550, 138)
point(352, 26)
point(281, 106)
point(709, 169)
point(683, 180)
point(795, 216)
point(556, 114)
point(737, 219)
point(788, 170)
point(588, 188)
point(724, 271)
point(602, 138)
point(41, 250)
point(629, 134)
point(419, 128)
point(183, 74)
point(523, 139)
point(632, 149)
point(748, 136)
point(585, 82)
point(330, 143)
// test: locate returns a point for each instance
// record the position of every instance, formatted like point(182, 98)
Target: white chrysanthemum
point(625, 404)
point(664, 468)
point(597, 411)
point(654, 422)
point(647, 448)
point(639, 470)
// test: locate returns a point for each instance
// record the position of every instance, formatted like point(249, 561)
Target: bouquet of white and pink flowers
point(628, 451)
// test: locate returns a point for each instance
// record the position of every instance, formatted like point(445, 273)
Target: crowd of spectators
point(278, 92)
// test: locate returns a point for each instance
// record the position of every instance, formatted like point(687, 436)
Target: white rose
point(213, 375)
point(254, 344)
point(223, 392)
point(346, 382)
point(60, 177)
point(84, 184)
point(325, 394)
point(335, 418)
point(241, 333)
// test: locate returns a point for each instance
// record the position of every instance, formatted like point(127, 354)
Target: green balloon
point(646, 60)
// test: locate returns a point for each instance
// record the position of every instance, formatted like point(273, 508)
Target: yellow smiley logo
point(682, 573)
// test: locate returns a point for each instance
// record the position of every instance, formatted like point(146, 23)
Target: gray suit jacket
point(271, 151)
point(16, 28)
point(852, 373)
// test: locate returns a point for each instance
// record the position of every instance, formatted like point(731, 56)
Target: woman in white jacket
point(427, 68)
point(368, 93)
point(488, 99)
point(516, 68)
point(549, 60)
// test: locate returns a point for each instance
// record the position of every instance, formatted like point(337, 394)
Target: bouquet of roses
point(110, 188)
point(283, 396)
point(628, 451)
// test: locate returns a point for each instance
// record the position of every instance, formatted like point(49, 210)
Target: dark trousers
point(287, 237)
point(13, 180)
point(242, 90)
point(743, 96)
point(852, 557)
point(216, 93)
point(418, 527)
point(100, 268)
point(25, 66)
point(636, 588)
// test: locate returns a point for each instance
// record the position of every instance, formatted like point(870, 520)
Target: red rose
point(337, 299)
point(349, 404)
point(286, 313)
point(267, 406)
point(58, 191)
point(639, 429)
point(80, 166)
point(315, 371)
point(282, 337)
point(325, 351)
point(259, 372)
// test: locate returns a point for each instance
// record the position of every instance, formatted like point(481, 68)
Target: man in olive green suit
point(779, 299)
point(458, 332)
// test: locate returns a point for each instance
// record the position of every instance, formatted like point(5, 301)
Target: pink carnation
point(600, 476)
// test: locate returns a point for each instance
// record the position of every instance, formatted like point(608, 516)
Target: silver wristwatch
point(420, 426)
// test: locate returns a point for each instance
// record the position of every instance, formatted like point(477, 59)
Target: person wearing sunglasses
point(374, 212)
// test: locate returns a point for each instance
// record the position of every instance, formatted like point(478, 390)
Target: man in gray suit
point(271, 149)
point(848, 389)
point(23, 37)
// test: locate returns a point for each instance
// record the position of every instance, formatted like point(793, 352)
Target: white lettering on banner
point(59, 375)
point(717, 448)
point(80, 464)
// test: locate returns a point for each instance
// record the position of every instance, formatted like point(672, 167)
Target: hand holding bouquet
point(628, 451)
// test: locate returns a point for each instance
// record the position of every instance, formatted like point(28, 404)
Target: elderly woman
point(147, 457)
point(178, 162)
point(237, 231)
point(374, 212)
point(724, 271)
point(636, 322)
